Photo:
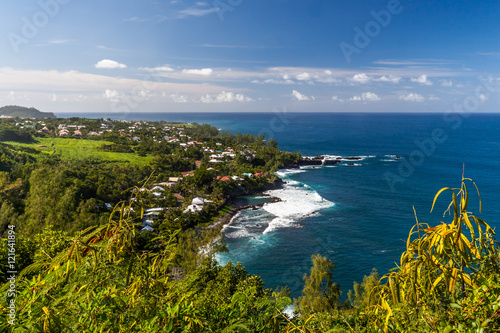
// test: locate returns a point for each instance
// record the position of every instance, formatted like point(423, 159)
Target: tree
point(320, 293)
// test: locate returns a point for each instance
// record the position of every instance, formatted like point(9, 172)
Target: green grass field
point(78, 149)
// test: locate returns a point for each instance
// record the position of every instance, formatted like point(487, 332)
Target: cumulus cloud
point(367, 96)
point(303, 76)
point(361, 78)
point(109, 64)
point(390, 78)
point(203, 71)
point(412, 97)
point(179, 98)
point(422, 79)
point(225, 97)
point(299, 96)
point(112, 95)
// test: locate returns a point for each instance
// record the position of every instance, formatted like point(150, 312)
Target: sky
point(112, 56)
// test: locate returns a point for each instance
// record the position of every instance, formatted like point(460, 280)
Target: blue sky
point(241, 55)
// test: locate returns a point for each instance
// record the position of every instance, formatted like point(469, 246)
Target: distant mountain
point(23, 112)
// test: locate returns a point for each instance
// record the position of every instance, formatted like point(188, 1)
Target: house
point(77, 133)
point(196, 205)
point(151, 214)
point(246, 174)
point(157, 189)
point(199, 201)
point(165, 184)
point(175, 179)
point(63, 132)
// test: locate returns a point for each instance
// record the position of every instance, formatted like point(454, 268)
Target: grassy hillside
point(78, 149)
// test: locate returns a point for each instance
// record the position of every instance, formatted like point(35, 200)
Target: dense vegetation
point(86, 264)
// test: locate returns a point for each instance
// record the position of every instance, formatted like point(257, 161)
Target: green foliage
point(365, 294)
point(15, 134)
point(321, 294)
point(443, 268)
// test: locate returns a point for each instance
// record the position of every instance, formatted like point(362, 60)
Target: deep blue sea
point(357, 215)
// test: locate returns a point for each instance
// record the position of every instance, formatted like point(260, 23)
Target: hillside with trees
point(116, 231)
point(24, 112)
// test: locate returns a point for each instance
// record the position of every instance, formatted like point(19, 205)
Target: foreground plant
point(442, 265)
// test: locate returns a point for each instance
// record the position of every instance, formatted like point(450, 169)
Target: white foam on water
point(297, 201)
point(284, 172)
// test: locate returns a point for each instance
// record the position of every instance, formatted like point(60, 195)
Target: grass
point(79, 149)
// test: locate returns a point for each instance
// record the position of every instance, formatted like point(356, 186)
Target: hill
point(24, 112)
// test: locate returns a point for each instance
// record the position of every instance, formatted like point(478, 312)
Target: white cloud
point(225, 97)
point(54, 98)
point(179, 98)
point(483, 98)
point(434, 98)
point(361, 78)
point(390, 78)
point(203, 71)
point(51, 81)
point(158, 69)
point(112, 95)
point(111, 64)
point(447, 83)
point(197, 12)
point(412, 97)
point(274, 81)
point(303, 76)
point(60, 41)
point(367, 96)
point(422, 79)
point(299, 96)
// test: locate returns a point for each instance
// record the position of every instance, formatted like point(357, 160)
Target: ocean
point(357, 213)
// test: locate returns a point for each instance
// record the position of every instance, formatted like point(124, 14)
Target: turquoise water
point(357, 215)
